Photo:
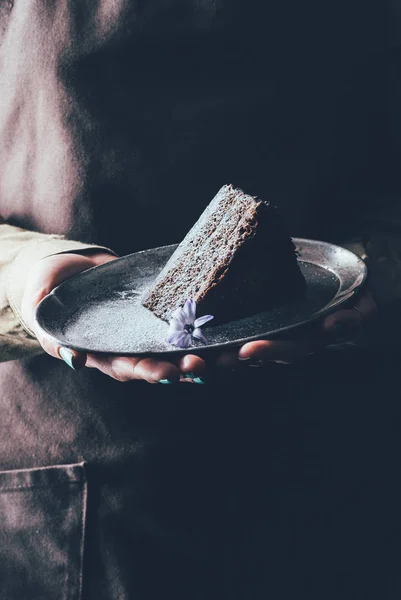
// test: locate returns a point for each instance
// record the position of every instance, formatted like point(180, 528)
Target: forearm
point(19, 251)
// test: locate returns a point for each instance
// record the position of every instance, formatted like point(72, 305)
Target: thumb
point(43, 277)
point(353, 319)
point(343, 324)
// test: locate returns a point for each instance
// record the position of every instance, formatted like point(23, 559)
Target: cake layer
point(236, 260)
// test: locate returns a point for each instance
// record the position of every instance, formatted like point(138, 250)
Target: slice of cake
point(237, 260)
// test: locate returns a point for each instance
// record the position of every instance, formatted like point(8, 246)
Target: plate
point(99, 310)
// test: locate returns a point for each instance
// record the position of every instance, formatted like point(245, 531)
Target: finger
point(45, 275)
point(351, 319)
point(99, 258)
point(342, 322)
point(125, 368)
point(278, 350)
point(42, 278)
point(192, 367)
point(74, 359)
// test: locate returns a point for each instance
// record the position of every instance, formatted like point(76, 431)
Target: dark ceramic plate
point(99, 310)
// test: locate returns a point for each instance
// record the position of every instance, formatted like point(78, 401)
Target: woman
point(118, 123)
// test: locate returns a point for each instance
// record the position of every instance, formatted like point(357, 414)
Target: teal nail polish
point(190, 375)
point(165, 381)
point(246, 358)
point(198, 380)
point(67, 357)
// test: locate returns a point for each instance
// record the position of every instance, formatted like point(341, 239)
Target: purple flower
point(184, 326)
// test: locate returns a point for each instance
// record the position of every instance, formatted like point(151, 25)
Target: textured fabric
point(42, 533)
point(119, 121)
point(276, 484)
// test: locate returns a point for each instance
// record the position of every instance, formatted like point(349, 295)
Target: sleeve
point(382, 224)
point(377, 221)
point(382, 238)
point(383, 251)
point(378, 243)
point(19, 251)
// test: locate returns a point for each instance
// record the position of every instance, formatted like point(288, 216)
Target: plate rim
point(201, 349)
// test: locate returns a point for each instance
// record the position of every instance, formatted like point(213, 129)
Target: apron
point(119, 122)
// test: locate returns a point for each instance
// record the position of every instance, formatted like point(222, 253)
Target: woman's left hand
point(344, 324)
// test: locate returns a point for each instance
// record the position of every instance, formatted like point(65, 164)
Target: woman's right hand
point(49, 272)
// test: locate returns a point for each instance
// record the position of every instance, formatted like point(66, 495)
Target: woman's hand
point(53, 270)
point(49, 272)
point(340, 325)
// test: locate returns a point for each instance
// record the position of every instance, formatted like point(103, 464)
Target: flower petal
point(202, 320)
point(186, 340)
point(190, 310)
point(198, 335)
point(175, 325)
point(175, 337)
point(179, 316)
point(182, 339)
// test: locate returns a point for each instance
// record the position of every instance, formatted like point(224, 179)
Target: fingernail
point(68, 357)
point(190, 375)
point(198, 380)
point(164, 381)
point(244, 358)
